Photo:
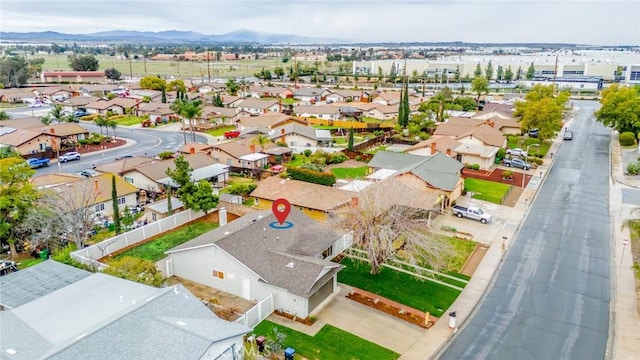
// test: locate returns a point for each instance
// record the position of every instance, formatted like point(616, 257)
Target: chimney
point(449, 152)
point(279, 106)
point(222, 216)
point(282, 131)
point(52, 130)
point(492, 123)
point(354, 201)
point(253, 148)
point(95, 187)
point(192, 150)
point(433, 148)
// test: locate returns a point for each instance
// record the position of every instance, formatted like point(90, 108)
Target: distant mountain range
point(238, 36)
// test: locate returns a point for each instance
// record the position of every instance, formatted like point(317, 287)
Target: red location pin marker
point(281, 209)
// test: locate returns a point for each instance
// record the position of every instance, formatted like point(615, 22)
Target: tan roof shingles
point(19, 137)
point(101, 184)
point(156, 170)
point(124, 165)
point(300, 193)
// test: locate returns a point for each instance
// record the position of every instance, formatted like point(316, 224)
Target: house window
point(217, 274)
point(328, 252)
point(229, 162)
point(128, 179)
point(122, 201)
point(99, 207)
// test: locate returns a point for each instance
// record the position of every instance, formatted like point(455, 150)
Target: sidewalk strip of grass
point(329, 343)
point(154, 250)
point(400, 287)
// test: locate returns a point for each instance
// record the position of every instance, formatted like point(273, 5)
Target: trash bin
point(44, 254)
point(288, 353)
point(260, 342)
point(452, 319)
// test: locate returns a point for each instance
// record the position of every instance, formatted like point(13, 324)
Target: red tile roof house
point(73, 76)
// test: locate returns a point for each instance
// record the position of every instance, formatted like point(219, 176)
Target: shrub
point(311, 176)
point(507, 174)
point(475, 166)
point(633, 168)
point(242, 189)
point(282, 143)
point(313, 166)
point(501, 154)
point(627, 138)
point(293, 156)
point(358, 158)
point(308, 153)
point(165, 155)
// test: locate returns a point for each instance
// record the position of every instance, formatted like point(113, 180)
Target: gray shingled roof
point(287, 258)
point(103, 317)
point(440, 171)
point(29, 284)
point(395, 161)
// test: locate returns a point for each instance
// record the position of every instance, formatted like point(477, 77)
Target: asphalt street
point(142, 142)
point(551, 296)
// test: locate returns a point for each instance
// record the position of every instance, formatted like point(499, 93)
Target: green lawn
point(464, 248)
point(25, 263)
point(329, 343)
point(220, 131)
point(350, 173)
point(299, 160)
point(130, 120)
point(154, 250)
point(397, 286)
point(523, 142)
point(325, 127)
point(486, 190)
point(376, 149)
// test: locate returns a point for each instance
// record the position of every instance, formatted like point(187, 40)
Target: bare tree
point(390, 219)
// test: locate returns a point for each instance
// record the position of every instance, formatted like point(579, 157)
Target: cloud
point(569, 21)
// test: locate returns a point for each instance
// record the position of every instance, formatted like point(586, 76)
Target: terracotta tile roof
point(302, 194)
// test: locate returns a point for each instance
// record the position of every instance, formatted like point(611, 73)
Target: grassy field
point(486, 190)
point(220, 131)
point(400, 287)
point(215, 69)
point(350, 173)
point(329, 343)
point(154, 250)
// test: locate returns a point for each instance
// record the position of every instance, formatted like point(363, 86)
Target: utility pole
point(555, 72)
point(130, 69)
point(208, 67)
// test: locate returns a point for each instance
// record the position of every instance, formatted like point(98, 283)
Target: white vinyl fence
point(259, 312)
point(90, 255)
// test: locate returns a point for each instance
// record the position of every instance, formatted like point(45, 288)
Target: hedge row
point(311, 176)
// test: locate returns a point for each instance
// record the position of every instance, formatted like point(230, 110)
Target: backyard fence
point(259, 312)
point(90, 255)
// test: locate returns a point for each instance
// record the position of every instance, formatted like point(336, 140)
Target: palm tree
point(4, 115)
point(177, 108)
point(111, 124)
point(57, 113)
point(261, 140)
point(101, 121)
point(188, 109)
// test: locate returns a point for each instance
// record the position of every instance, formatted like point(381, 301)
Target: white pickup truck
point(472, 213)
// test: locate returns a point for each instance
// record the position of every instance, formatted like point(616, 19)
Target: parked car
point(120, 157)
point(80, 113)
point(517, 163)
point(472, 212)
point(232, 134)
point(36, 163)
point(568, 135)
point(73, 155)
point(88, 173)
point(517, 152)
point(35, 104)
point(533, 133)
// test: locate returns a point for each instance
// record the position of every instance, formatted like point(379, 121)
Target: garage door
point(321, 294)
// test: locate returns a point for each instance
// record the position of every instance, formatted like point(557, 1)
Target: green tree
point(508, 73)
point(4, 115)
point(163, 97)
point(620, 108)
point(393, 73)
point(198, 196)
point(531, 72)
point(456, 74)
point(542, 111)
point(232, 87)
point(480, 85)
point(35, 66)
point(279, 72)
point(188, 109)
point(17, 196)
point(152, 82)
point(217, 101)
point(112, 74)
point(14, 71)
point(519, 73)
point(500, 73)
point(135, 269)
point(176, 85)
point(351, 140)
point(114, 203)
point(181, 174)
point(83, 62)
point(261, 141)
point(403, 106)
point(489, 71)
point(478, 71)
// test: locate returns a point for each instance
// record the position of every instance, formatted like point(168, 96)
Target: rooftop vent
point(290, 265)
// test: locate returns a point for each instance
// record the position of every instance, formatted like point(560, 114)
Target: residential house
point(435, 174)
point(140, 94)
point(477, 133)
point(73, 77)
point(310, 94)
point(55, 311)
point(53, 93)
point(507, 124)
point(384, 112)
point(267, 121)
point(476, 154)
point(22, 123)
point(64, 134)
point(386, 98)
point(346, 95)
point(18, 95)
point(316, 201)
point(94, 192)
point(212, 87)
point(231, 101)
point(160, 209)
point(115, 105)
point(100, 90)
point(443, 144)
point(241, 155)
point(271, 92)
point(122, 166)
point(255, 257)
point(296, 135)
point(257, 107)
point(77, 102)
point(25, 141)
point(157, 112)
point(326, 112)
point(192, 148)
point(152, 176)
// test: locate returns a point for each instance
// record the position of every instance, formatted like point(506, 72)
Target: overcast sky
point(599, 22)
